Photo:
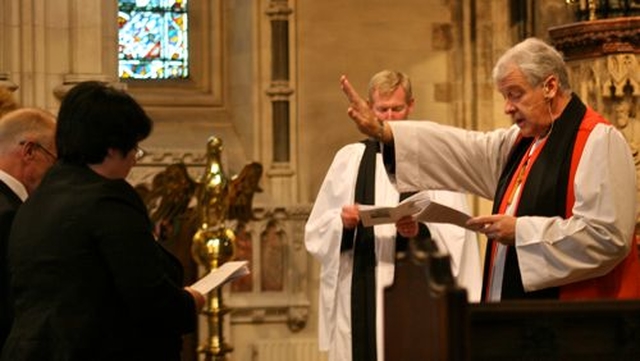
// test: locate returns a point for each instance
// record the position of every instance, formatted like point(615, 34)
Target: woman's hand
point(198, 298)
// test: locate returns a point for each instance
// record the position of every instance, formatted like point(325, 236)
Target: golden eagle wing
point(241, 190)
point(173, 188)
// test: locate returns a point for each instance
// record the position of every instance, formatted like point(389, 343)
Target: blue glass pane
point(153, 42)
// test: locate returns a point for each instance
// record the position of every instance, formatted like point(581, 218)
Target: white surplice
point(323, 233)
point(551, 251)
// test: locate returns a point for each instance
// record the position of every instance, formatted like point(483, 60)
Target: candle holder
point(589, 10)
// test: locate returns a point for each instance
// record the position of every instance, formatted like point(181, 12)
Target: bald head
point(26, 124)
point(27, 148)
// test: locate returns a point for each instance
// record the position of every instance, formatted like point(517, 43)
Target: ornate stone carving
point(591, 39)
point(280, 230)
point(623, 73)
point(6, 82)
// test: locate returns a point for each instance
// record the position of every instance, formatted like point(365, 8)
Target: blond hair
point(387, 81)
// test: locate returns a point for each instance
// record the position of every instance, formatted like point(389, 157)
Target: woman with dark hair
point(88, 279)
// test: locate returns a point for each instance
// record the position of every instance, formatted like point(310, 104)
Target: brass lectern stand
point(213, 244)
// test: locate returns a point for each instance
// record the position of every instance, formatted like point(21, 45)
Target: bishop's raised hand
point(359, 110)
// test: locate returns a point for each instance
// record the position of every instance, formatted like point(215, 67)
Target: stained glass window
point(153, 39)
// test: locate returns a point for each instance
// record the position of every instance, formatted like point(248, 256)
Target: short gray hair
point(537, 60)
point(33, 123)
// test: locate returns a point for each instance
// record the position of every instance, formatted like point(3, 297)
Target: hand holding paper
point(228, 272)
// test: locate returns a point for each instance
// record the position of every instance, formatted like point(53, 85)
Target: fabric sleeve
point(149, 282)
point(554, 251)
point(433, 156)
point(323, 231)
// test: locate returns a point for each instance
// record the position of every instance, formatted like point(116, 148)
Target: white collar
point(15, 185)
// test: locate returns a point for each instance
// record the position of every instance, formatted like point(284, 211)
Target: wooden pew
point(427, 317)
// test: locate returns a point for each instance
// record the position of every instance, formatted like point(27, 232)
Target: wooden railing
point(427, 317)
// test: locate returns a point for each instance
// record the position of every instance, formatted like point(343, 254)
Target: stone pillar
point(93, 43)
point(24, 51)
point(281, 173)
point(5, 26)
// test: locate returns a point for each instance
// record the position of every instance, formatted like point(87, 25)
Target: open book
point(228, 272)
point(418, 205)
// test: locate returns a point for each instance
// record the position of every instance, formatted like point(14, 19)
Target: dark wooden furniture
point(427, 317)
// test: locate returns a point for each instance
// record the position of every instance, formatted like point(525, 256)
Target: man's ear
point(113, 152)
point(28, 149)
point(411, 103)
point(550, 87)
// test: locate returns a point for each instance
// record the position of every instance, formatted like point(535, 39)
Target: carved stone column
point(281, 173)
point(5, 78)
point(23, 49)
point(603, 57)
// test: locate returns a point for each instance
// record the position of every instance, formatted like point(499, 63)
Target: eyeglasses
point(41, 147)
point(140, 153)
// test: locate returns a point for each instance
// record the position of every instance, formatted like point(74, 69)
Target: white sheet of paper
point(228, 272)
point(418, 205)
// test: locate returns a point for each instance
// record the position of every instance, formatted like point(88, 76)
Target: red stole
point(623, 282)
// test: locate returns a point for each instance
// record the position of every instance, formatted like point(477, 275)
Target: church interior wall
point(358, 41)
point(446, 47)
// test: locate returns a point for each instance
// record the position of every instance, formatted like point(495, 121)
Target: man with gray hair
point(562, 179)
point(27, 151)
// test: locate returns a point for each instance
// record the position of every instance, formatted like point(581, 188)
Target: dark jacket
point(88, 279)
point(9, 203)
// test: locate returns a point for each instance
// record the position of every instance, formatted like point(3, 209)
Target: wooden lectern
point(427, 317)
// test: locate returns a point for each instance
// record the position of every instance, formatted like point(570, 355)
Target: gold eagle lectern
point(218, 200)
